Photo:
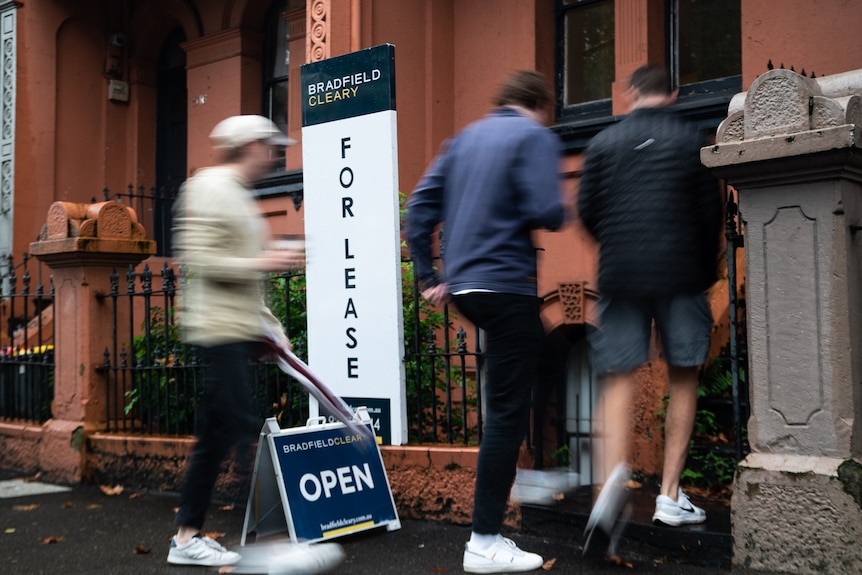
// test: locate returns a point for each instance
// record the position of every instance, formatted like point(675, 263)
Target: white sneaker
point(290, 558)
point(540, 487)
point(607, 509)
point(679, 512)
point(501, 557)
point(201, 551)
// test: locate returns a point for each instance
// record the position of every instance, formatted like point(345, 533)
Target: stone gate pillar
point(792, 148)
point(82, 243)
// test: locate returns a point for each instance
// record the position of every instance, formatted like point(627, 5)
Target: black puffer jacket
point(652, 206)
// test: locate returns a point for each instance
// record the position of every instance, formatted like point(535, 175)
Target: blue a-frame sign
point(318, 482)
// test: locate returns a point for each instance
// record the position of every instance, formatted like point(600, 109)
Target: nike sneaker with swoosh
point(679, 512)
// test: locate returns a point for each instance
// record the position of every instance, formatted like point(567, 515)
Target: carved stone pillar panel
point(791, 147)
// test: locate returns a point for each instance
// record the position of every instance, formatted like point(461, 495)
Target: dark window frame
point(585, 111)
point(272, 45)
point(704, 103)
point(281, 183)
point(704, 93)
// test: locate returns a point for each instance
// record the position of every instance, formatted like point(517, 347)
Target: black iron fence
point(154, 381)
point(738, 341)
point(26, 341)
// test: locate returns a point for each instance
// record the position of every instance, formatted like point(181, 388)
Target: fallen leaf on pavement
point(134, 495)
point(618, 561)
point(68, 505)
point(226, 569)
point(51, 539)
point(141, 550)
point(213, 535)
point(94, 506)
point(30, 507)
point(549, 564)
point(226, 507)
point(115, 490)
point(9, 530)
point(30, 479)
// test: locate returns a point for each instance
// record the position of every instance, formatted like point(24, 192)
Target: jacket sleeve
point(536, 172)
point(424, 213)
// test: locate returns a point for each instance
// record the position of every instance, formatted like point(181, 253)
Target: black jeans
point(225, 421)
point(514, 334)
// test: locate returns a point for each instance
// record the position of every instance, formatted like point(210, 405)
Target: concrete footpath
point(84, 530)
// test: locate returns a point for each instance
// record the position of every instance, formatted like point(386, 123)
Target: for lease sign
point(350, 175)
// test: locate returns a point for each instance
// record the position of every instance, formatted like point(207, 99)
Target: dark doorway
point(171, 135)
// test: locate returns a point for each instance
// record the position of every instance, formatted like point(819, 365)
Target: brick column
point(639, 32)
point(791, 148)
point(82, 243)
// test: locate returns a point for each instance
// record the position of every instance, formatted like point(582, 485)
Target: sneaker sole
point(500, 568)
point(184, 561)
point(676, 521)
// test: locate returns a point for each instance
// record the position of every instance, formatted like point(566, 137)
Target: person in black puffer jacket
point(656, 213)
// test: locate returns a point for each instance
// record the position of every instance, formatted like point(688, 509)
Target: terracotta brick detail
point(317, 41)
point(106, 220)
point(572, 299)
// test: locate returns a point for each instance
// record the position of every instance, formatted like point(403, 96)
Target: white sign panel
point(350, 178)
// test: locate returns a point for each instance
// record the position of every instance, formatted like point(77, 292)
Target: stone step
point(708, 544)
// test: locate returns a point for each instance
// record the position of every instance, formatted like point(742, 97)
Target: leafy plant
point(561, 457)
point(286, 298)
point(429, 374)
point(155, 396)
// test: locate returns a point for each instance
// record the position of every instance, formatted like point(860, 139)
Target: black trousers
point(514, 334)
point(225, 420)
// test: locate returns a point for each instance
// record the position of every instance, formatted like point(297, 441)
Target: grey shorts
point(621, 343)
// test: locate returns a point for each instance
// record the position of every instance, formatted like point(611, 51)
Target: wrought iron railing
point(26, 342)
point(153, 380)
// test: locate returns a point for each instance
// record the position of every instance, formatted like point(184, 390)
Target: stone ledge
point(847, 136)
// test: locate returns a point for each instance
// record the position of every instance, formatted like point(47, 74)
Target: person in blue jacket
point(491, 186)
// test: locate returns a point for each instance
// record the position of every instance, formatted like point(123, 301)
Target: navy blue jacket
point(491, 186)
point(653, 207)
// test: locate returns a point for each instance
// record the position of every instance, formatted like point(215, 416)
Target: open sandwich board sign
point(318, 482)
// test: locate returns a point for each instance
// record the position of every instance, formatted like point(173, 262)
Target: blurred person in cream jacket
point(222, 241)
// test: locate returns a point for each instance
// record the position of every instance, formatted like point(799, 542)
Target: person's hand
point(438, 294)
point(281, 260)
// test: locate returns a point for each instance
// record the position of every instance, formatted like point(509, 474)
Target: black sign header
point(347, 86)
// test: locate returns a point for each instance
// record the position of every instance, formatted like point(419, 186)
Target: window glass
point(708, 41)
point(588, 41)
point(276, 67)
